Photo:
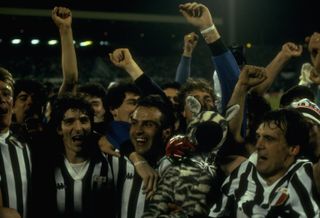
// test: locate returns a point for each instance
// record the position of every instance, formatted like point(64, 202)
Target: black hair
point(293, 124)
point(93, 89)
point(167, 118)
point(117, 93)
point(172, 84)
point(69, 101)
point(295, 93)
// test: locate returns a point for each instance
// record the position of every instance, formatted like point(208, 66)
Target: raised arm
point(122, 58)
point(288, 51)
point(184, 67)
point(62, 17)
point(228, 71)
point(250, 76)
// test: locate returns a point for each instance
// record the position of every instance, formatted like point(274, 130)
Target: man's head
point(73, 119)
point(296, 93)
point(29, 100)
point(122, 100)
point(151, 126)
point(311, 113)
point(6, 99)
point(201, 90)
point(281, 138)
point(95, 93)
point(171, 90)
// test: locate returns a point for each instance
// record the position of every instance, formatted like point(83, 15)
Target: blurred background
point(153, 30)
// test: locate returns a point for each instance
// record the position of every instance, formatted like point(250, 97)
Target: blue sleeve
point(227, 70)
point(183, 70)
point(228, 73)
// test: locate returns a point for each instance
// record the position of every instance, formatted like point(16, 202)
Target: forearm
point(227, 70)
point(235, 124)
point(273, 69)
point(183, 70)
point(69, 61)
point(134, 70)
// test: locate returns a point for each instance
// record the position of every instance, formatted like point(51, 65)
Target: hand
point(315, 76)
point(150, 178)
point(61, 16)
point(197, 15)
point(190, 42)
point(146, 172)
point(290, 50)
point(122, 58)
point(314, 49)
point(313, 42)
point(251, 76)
point(106, 147)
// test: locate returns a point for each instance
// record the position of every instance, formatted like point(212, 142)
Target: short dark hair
point(172, 84)
point(295, 93)
point(167, 118)
point(292, 123)
point(93, 89)
point(30, 86)
point(69, 101)
point(117, 93)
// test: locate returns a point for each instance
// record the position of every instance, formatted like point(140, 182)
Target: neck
point(270, 179)
point(74, 157)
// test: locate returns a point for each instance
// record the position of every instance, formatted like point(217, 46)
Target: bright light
point(86, 43)
point(104, 43)
point(16, 41)
point(35, 41)
point(248, 45)
point(52, 42)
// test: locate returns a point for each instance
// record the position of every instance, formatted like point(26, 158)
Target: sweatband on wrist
point(213, 27)
point(139, 162)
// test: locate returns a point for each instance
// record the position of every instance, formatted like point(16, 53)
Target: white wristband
point(139, 162)
point(213, 27)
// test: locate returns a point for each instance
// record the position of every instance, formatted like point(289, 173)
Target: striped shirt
point(15, 173)
point(88, 193)
point(246, 193)
point(129, 187)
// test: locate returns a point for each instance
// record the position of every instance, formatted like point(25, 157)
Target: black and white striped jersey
point(15, 173)
point(246, 194)
point(87, 193)
point(129, 184)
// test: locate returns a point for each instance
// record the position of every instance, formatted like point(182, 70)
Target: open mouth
point(262, 158)
point(77, 138)
point(141, 140)
point(3, 111)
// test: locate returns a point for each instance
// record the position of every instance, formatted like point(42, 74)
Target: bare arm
point(62, 17)
point(250, 76)
point(122, 58)
point(184, 67)
point(288, 51)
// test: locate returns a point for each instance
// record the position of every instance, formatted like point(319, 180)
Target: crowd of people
point(187, 148)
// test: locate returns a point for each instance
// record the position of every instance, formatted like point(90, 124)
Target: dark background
point(157, 45)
